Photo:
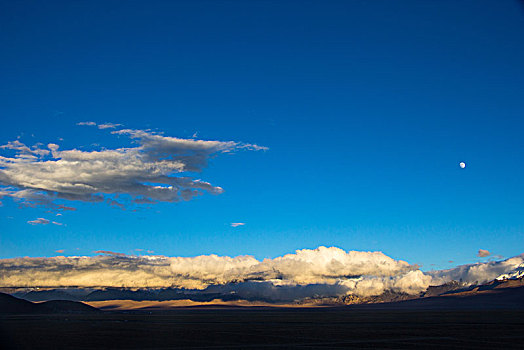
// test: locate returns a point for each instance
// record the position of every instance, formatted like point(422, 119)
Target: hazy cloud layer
point(306, 273)
point(152, 171)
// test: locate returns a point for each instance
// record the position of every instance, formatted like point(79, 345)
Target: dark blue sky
point(367, 108)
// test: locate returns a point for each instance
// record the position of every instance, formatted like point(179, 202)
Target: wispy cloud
point(39, 221)
point(237, 224)
point(43, 221)
point(86, 123)
point(108, 252)
point(108, 126)
point(149, 172)
point(100, 126)
point(482, 253)
point(144, 250)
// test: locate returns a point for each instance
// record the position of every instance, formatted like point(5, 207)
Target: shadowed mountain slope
point(509, 298)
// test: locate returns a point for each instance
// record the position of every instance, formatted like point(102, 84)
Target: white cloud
point(149, 172)
point(237, 224)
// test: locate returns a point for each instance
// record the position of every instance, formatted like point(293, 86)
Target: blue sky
point(367, 108)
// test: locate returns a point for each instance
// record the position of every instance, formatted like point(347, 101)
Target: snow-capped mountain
point(516, 273)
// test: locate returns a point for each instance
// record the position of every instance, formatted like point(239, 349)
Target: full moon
point(462, 165)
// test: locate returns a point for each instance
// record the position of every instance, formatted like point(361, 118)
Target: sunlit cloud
point(237, 224)
point(148, 172)
point(356, 271)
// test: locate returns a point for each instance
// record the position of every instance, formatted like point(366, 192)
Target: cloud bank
point(306, 273)
point(154, 170)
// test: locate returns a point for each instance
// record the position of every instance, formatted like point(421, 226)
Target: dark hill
point(65, 306)
point(12, 305)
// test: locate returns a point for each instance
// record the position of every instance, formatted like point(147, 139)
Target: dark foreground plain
point(268, 328)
